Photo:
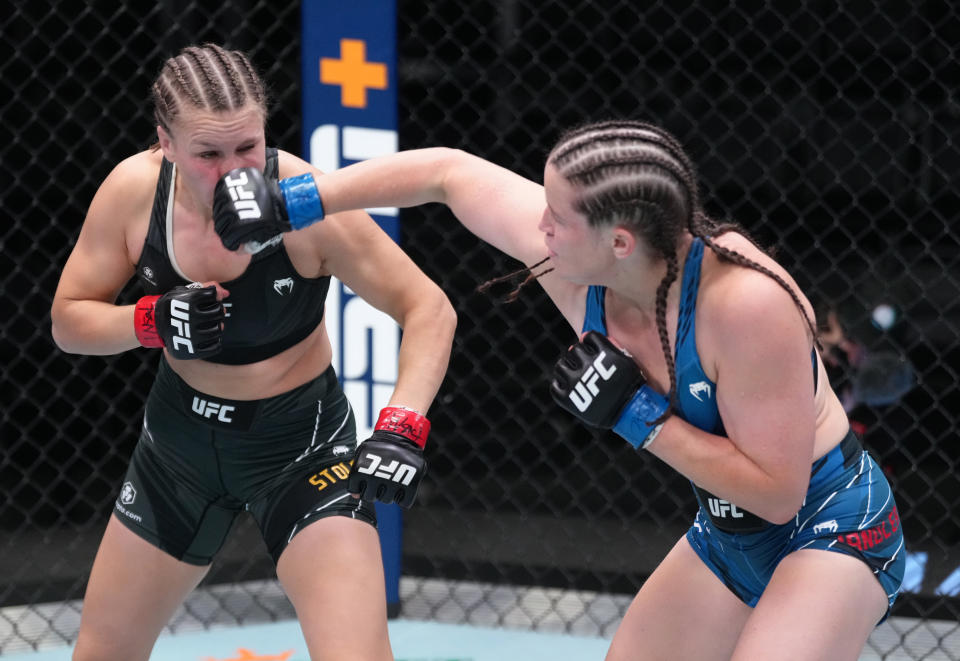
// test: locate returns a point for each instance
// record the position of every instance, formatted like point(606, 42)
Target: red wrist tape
point(145, 323)
point(405, 422)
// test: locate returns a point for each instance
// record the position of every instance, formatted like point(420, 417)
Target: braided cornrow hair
point(732, 256)
point(207, 78)
point(637, 175)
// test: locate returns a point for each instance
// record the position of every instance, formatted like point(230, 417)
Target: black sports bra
point(270, 308)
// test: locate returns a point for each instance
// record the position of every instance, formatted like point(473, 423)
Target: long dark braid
point(673, 270)
point(638, 175)
point(697, 228)
point(705, 228)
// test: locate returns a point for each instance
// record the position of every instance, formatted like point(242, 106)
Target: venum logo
point(128, 494)
point(283, 286)
point(827, 526)
point(243, 200)
point(394, 471)
point(586, 389)
point(209, 409)
point(721, 509)
point(700, 388)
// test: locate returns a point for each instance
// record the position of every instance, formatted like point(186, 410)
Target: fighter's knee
point(93, 647)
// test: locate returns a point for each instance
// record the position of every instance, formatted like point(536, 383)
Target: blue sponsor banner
point(348, 60)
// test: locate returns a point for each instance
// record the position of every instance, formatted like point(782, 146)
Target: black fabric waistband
point(850, 448)
point(240, 415)
point(727, 517)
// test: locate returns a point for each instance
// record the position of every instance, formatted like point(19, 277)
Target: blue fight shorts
point(849, 508)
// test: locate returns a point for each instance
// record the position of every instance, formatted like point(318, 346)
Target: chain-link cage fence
point(830, 131)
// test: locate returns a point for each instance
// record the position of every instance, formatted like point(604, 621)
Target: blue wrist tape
point(302, 199)
point(647, 405)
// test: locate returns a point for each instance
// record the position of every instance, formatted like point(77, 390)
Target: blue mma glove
point(248, 209)
point(601, 385)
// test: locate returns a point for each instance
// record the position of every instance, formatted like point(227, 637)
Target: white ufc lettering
point(210, 409)
point(394, 471)
point(180, 320)
point(586, 389)
point(243, 200)
point(722, 508)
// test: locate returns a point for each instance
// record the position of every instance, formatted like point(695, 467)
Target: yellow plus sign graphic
point(353, 73)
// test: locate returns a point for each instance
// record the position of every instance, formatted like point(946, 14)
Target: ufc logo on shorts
point(212, 410)
point(394, 471)
point(244, 204)
point(586, 389)
point(180, 320)
point(721, 509)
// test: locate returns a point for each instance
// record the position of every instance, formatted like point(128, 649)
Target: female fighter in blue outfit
point(695, 346)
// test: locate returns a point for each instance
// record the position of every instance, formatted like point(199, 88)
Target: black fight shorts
point(201, 460)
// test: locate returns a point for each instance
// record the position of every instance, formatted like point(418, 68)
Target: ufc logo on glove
point(244, 200)
point(394, 471)
point(389, 466)
point(180, 320)
point(626, 403)
point(586, 388)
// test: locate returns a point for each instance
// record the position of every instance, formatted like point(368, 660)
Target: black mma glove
point(249, 209)
point(389, 465)
point(599, 383)
point(186, 320)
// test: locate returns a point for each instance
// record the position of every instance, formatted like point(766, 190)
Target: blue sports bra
point(696, 393)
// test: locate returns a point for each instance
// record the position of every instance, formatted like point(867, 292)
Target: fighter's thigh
point(818, 605)
point(683, 611)
point(133, 590)
point(333, 573)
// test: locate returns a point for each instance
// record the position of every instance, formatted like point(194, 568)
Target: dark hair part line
point(207, 78)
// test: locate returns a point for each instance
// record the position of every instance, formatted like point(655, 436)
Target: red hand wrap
point(145, 323)
point(405, 422)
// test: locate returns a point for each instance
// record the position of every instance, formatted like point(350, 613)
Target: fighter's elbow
point(62, 339)
point(445, 315)
point(57, 329)
point(782, 506)
point(781, 516)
